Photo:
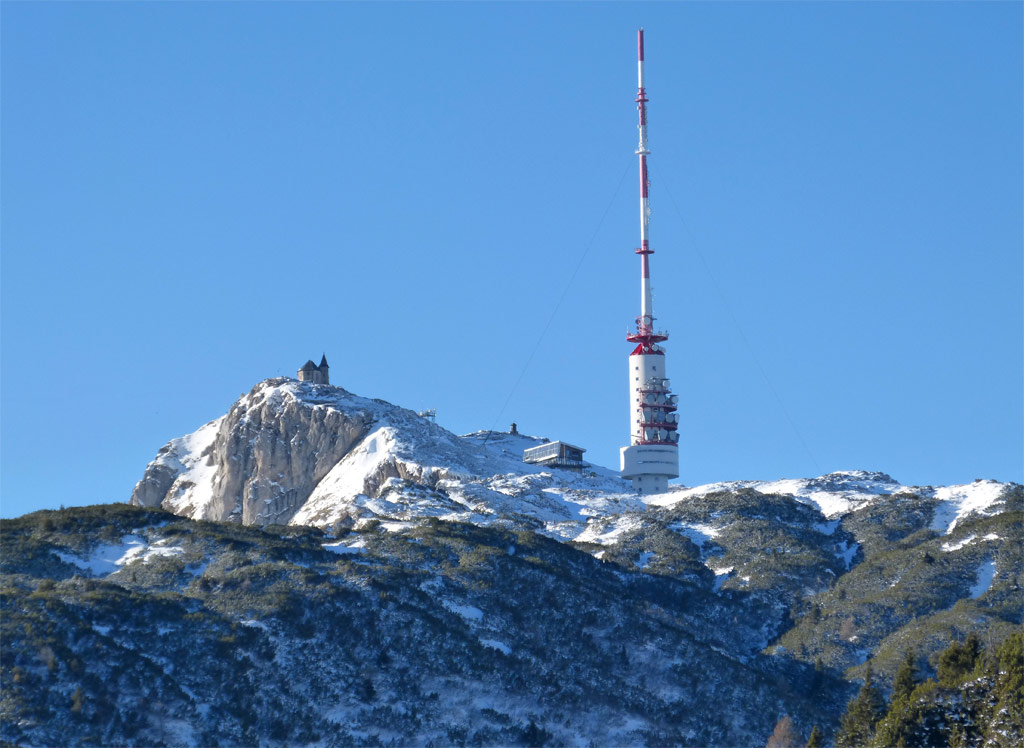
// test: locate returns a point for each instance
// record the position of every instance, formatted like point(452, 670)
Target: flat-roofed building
point(556, 454)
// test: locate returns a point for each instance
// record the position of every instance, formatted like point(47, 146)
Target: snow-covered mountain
point(373, 579)
point(300, 453)
point(294, 452)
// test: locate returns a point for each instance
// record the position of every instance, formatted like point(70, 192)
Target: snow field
point(495, 644)
point(957, 502)
point(986, 574)
point(109, 558)
point(468, 612)
point(698, 533)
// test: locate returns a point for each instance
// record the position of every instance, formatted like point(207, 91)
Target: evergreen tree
point(900, 723)
point(818, 679)
point(535, 736)
point(862, 714)
point(957, 662)
point(906, 678)
point(912, 720)
point(1010, 680)
point(366, 691)
point(934, 714)
point(817, 740)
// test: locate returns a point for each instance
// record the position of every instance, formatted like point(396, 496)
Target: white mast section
point(646, 306)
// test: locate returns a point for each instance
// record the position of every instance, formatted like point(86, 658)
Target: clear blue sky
point(197, 196)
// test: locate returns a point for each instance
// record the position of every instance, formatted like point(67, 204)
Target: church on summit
point(310, 372)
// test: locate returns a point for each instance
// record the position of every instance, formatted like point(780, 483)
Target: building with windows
point(556, 454)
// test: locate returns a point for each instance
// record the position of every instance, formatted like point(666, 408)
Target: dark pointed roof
point(308, 366)
point(323, 361)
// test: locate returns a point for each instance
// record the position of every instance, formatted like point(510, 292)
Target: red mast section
point(645, 337)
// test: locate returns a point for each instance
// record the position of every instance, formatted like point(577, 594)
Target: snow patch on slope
point(108, 558)
point(346, 480)
point(468, 612)
point(986, 573)
point(495, 644)
point(699, 534)
point(957, 502)
point(967, 541)
point(847, 552)
point(607, 531)
point(189, 456)
point(721, 575)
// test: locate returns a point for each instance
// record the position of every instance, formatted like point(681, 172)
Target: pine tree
point(1010, 680)
point(900, 723)
point(817, 740)
point(906, 678)
point(535, 736)
point(366, 692)
point(925, 716)
point(818, 679)
point(865, 709)
point(957, 662)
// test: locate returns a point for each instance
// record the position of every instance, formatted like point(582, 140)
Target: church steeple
point(310, 372)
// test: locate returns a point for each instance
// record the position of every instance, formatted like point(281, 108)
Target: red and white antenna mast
point(653, 455)
point(646, 320)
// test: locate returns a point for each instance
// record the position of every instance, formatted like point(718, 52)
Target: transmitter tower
point(652, 456)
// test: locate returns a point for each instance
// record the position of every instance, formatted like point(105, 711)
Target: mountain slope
point(132, 626)
point(780, 551)
point(331, 570)
point(178, 632)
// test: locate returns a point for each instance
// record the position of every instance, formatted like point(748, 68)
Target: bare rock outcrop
point(261, 461)
point(305, 453)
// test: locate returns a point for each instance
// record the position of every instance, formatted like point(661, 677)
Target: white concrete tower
point(652, 456)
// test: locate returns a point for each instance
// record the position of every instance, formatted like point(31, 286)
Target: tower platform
point(649, 466)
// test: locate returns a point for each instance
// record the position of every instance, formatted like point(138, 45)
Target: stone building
point(310, 372)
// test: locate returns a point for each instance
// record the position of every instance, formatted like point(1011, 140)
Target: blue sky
point(197, 196)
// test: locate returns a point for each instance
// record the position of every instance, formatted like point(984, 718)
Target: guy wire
point(739, 328)
point(558, 304)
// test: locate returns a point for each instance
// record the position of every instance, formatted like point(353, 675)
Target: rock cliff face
point(293, 452)
point(259, 463)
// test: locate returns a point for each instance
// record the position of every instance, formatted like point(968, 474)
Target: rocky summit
point(317, 568)
point(299, 453)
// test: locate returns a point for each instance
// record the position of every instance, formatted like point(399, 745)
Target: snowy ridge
point(399, 467)
point(840, 493)
point(834, 494)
